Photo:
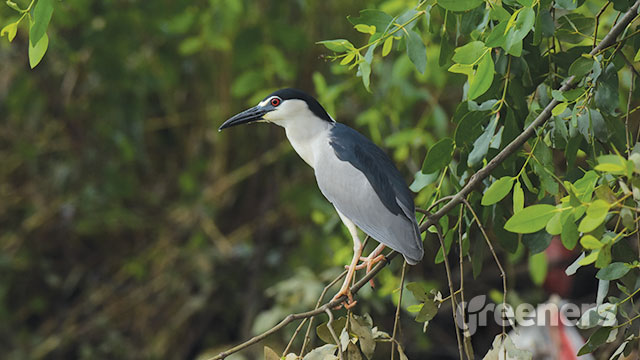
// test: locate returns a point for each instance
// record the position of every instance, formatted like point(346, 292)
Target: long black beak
point(247, 116)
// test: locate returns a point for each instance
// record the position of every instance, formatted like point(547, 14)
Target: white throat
point(307, 134)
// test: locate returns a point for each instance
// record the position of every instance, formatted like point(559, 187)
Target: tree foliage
point(130, 229)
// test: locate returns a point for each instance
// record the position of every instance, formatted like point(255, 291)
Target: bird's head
point(280, 107)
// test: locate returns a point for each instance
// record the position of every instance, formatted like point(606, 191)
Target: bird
point(354, 174)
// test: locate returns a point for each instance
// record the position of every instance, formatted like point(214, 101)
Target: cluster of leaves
point(37, 18)
point(357, 337)
point(600, 211)
point(515, 55)
point(383, 30)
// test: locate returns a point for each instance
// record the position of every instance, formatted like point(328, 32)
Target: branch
point(457, 199)
point(569, 84)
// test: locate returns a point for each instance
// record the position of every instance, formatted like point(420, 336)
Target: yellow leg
point(345, 290)
point(369, 261)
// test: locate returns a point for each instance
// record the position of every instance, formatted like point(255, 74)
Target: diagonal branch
point(514, 145)
point(457, 199)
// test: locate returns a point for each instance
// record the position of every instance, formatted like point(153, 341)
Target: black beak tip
point(247, 116)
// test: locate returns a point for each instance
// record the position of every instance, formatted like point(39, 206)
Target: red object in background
point(558, 257)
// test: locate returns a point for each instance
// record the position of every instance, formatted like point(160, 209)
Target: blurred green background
point(131, 228)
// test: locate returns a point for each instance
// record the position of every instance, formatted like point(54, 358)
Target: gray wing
point(362, 182)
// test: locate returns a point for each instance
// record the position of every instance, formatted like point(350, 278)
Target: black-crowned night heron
point(353, 173)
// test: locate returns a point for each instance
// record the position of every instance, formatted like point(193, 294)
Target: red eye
point(275, 101)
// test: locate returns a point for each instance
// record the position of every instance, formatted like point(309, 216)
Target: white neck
point(306, 134)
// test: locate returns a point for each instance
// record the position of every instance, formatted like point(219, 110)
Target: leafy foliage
point(120, 199)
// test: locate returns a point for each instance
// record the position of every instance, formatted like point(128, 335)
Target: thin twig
point(626, 121)
point(307, 335)
point(395, 322)
point(630, 64)
point(451, 291)
point(495, 257)
point(295, 334)
point(595, 32)
point(332, 332)
point(465, 328)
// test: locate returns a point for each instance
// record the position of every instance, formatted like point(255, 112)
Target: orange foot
point(368, 262)
point(349, 303)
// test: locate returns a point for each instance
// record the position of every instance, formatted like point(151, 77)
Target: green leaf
point(559, 109)
point(469, 53)
point(599, 337)
point(628, 219)
point(270, 354)
point(386, 48)
point(323, 330)
point(365, 29)
point(36, 53)
point(613, 271)
point(481, 145)
point(353, 353)
point(538, 267)
point(497, 36)
point(554, 226)
point(421, 181)
point(323, 352)
point(347, 59)
point(497, 191)
point(596, 213)
point(604, 257)
point(338, 45)
point(607, 90)
point(365, 71)
point(459, 5)
point(10, 30)
point(524, 23)
point(569, 233)
point(575, 27)
point(614, 164)
point(418, 291)
point(590, 242)
point(438, 157)
point(592, 257)
point(637, 57)
point(530, 219)
point(568, 4)
point(461, 69)
point(401, 353)
point(14, 6)
point(416, 50)
point(361, 327)
point(591, 123)
point(499, 13)
point(481, 81)
point(571, 95)
point(581, 67)
point(469, 128)
point(518, 198)
point(41, 18)
point(521, 27)
point(537, 242)
point(428, 311)
point(377, 18)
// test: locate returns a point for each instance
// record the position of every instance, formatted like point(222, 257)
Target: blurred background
point(130, 228)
